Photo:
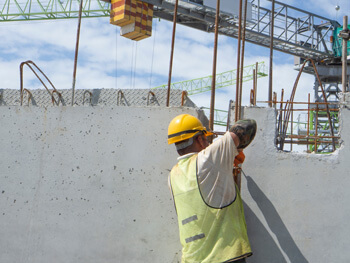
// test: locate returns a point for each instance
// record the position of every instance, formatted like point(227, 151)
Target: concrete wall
point(296, 203)
point(89, 184)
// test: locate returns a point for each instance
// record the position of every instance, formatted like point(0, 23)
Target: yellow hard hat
point(185, 126)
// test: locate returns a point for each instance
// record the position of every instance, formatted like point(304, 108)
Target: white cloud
point(107, 60)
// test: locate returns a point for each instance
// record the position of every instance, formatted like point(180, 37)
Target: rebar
point(183, 96)
point(172, 52)
point(242, 60)
point(120, 95)
point(289, 105)
point(237, 111)
point(90, 99)
point(271, 52)
point(256, 83)
point(213, 81)
point(76, 51)
point(28, 63)
point(344, 56)
point(153, 96)
point(29, 95)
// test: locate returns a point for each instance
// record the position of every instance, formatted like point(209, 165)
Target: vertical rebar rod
point(308, 122)
point(316, 127)
point(229, 114)
point(344, 56)
point(279, 125)
point(76, 51)
point(172, 52)
point(326, 103)
point(254, 87)
point(242, 59)
point(291, 126)
point(213, 79)
point(258, 13)
point(271, 52)
point(238, 60)
point(256, 82)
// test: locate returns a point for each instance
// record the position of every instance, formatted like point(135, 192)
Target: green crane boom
point(228, 78)
point(15, 10)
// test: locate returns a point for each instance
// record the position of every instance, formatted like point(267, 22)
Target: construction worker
point(208, 204)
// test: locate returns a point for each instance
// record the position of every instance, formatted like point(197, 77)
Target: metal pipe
point(271, 52)
point(213, 80)
point(344, 55)
point(76, 51)
point(172, 52)
point(238, 60)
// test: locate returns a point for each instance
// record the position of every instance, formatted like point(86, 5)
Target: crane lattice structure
point(15, 10)
point(228, 78)
point(296, 31)
point(220, 116)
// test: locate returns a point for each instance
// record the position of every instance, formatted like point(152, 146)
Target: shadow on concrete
point(264, 246)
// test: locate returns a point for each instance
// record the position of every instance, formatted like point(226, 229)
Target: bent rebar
point(28, 62)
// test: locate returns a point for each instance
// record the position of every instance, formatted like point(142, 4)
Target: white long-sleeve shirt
point(215, 166)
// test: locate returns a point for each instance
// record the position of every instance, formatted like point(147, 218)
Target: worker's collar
point(185, 156)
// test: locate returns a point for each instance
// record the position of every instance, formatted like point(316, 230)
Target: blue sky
point(107, 60)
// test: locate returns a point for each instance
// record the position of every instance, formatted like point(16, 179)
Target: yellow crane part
point(134, 17)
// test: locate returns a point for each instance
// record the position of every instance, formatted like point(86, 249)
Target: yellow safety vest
point(207, 235)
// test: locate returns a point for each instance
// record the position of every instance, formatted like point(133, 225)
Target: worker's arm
point(214, 171)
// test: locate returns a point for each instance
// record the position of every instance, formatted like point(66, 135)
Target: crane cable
point(135, 61)
point(154, 43)
point(132, 69)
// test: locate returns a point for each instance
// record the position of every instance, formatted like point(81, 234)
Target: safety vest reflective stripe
point(194, 238)
point(190, 219)
point(207, 235)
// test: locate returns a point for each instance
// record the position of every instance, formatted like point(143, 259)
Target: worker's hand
point(239, 159)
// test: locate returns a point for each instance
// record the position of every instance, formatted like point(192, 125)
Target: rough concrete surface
point(296, 204)
point(89, 184)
